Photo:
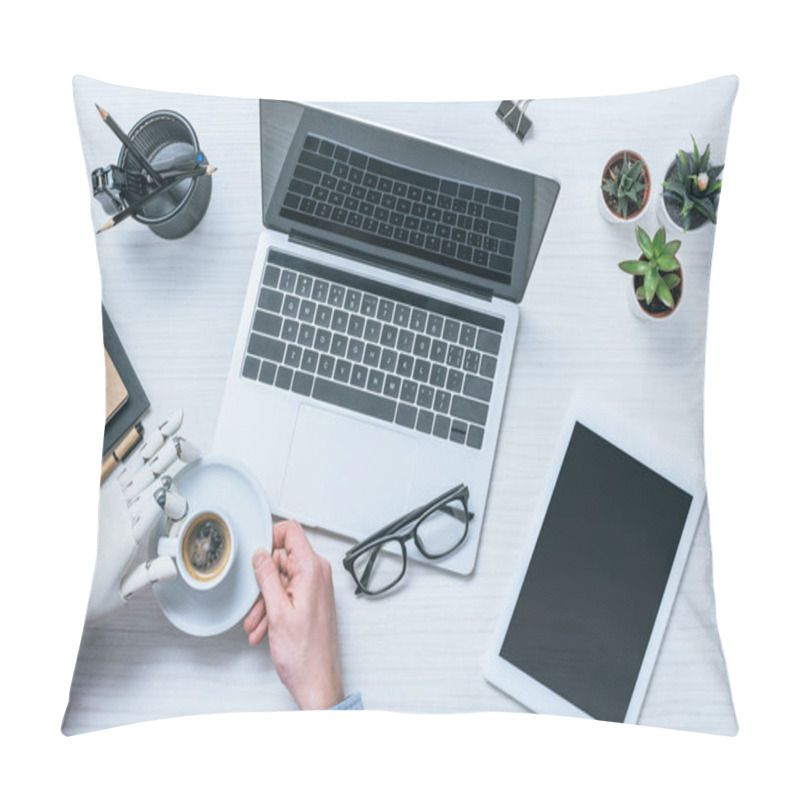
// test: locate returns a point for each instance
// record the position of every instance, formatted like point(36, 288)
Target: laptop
point(376, 338)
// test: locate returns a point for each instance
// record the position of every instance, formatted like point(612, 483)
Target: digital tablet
point(598, 578)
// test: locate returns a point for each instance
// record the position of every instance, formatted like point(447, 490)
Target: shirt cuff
point(351, 703)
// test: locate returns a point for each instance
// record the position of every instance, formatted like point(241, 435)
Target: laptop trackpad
point(346, 475)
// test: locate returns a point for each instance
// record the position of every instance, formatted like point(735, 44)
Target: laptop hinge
point(388, 263)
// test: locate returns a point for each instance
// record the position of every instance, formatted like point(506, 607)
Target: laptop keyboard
point(414, 361)
point(350, 192)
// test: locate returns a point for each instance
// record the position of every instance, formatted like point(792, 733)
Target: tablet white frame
point(664, 460)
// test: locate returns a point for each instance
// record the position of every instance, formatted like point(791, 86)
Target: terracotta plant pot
point(657, 309)
point(608, 205)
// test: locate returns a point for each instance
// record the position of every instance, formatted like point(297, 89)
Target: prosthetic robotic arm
point(132, 503)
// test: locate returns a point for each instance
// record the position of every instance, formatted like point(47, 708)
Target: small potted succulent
point(624, 187)
point(690, 191)
point(657, 275)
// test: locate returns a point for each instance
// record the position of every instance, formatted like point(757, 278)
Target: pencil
point(133, 149)
point(136, 207)
point(128, 442)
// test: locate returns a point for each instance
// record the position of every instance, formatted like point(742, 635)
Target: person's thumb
point(269, 581)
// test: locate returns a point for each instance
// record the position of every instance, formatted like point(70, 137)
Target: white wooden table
point(176, 307)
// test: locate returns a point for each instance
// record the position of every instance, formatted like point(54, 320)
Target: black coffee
point(206, 546)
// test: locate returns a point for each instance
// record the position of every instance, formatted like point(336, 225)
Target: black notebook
point(137, 403)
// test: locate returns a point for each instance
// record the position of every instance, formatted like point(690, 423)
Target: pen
point(128, 442)
point(182, 162)
point(131, 145)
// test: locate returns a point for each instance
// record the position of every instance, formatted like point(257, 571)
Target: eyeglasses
point(438, 528)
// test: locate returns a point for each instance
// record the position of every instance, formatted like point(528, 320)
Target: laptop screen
point(408, 204)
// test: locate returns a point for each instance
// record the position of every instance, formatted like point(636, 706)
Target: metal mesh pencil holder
point(164, 138)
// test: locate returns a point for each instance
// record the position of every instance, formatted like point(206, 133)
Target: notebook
point(116, 393)
point(135, 403)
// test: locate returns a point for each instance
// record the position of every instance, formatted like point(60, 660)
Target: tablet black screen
point(594, 585)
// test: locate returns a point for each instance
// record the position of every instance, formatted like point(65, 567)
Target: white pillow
point(136, 666)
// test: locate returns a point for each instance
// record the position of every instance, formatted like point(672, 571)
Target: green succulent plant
point(626, 185)
point(695, 186)
point(658, 267)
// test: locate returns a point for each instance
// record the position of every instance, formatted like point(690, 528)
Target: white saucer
point(215, 484)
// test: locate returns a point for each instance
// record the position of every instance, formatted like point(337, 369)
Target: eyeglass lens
point(380, 567)
point(442, 529)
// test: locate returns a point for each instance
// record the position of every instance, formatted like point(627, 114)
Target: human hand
point(296, 611)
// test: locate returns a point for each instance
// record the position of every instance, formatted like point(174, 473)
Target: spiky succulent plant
point(657, 266)
point(693, 185)
point(626, 185)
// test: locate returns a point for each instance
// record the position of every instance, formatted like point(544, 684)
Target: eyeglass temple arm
point(364, 579)
point(409, 517)
point(457, 513)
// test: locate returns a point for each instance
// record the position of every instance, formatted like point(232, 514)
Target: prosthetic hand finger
point(187, 451)
point(151, 445)
point(159, 498)
point(169, 427)
point(159, 569)
point(174, 449)
point(174, 505)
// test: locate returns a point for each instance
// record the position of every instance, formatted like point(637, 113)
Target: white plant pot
point(665, 220)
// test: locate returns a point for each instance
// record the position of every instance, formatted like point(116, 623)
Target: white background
point(51, 382)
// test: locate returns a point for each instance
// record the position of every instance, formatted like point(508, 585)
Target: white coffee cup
point(203, 549)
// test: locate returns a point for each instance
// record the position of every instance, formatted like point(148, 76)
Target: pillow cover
point(189, 196)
